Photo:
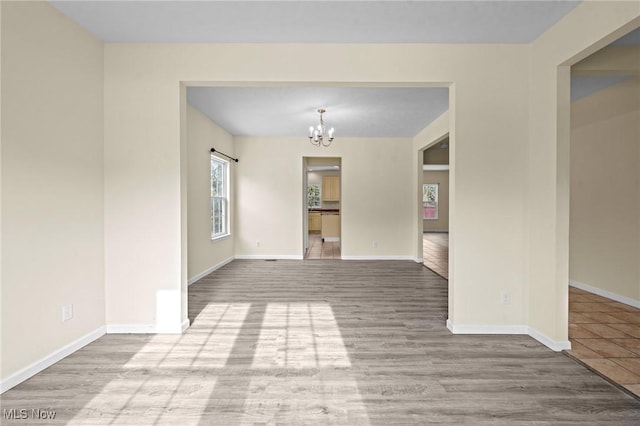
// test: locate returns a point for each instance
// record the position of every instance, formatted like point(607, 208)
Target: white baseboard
point(378, 258)
point(147, 328)
point(270, 257)
point(332, 239)
point(605, 293)
point(419, 260)
point(554, 345)
point(131, 329)
point(207, 271)
point(36, 367)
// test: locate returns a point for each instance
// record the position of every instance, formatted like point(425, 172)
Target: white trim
point(555, 345)
point(131, 329)
point(270, 256)
point(36, 367)
point(332, 239)
point(378, 258)
point(435, 167)
point(486, 329)
point(419, 259)
point(185, 324)
point(605, 293)
point(207, 271)
point(147, 328)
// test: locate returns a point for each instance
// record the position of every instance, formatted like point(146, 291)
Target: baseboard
point(604, 293)
point(486, 329)
point(332, 239)
point(146, 328)
point(131, 329)
point(269, 257)
point(206, 272)
point(554, 345)
point(33, 369)
point(419, 260)
point(378, 258)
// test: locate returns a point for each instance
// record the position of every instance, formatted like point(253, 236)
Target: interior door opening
point(322, 207)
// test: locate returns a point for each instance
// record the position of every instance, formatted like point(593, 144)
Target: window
point(313, 195)
point(430, 201)
point(219, 197)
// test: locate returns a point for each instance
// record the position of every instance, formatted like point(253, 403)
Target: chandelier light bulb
point(317, 137)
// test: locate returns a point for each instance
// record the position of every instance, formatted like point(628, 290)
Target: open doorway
point(435, 207)
point(323, 226)
point(604, 295)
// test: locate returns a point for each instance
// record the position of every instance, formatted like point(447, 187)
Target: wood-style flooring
point(320, 342)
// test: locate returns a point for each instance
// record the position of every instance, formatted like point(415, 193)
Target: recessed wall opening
point(322, 179)
point(604, 218)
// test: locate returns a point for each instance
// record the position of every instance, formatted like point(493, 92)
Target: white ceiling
point(515, 21)
point(352, 111)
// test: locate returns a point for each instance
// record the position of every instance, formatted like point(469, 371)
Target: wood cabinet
point(315, 221)
point(331, 188)
point(331, 227)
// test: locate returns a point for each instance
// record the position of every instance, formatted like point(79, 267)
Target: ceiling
point(353, 111)
point(289, 111)
point(316, 21)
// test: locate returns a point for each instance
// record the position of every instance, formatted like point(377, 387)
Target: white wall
point(605, 191)
point(589, 27)
point(203, 252)
point(52, 183)
point(376, 198)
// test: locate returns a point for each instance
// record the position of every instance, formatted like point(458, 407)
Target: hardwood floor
point(320, 342)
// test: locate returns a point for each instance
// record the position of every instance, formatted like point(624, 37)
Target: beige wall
point(203, 252)
point(605, 194)
point(268, 196)
point(52, 183)
point(442, 223)
point(590, 26)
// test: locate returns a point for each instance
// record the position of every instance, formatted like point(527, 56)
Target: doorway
point(322, 207)
point(435, 207)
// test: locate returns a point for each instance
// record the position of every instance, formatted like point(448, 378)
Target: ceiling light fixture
point(317, 135)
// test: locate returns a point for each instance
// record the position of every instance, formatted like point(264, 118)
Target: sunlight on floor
point(151, 401)
point(300, 335)
point(209, 344)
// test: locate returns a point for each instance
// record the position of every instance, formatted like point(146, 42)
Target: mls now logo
point(23, 413)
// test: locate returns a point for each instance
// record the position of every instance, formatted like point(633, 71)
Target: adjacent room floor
point(605, 335)
point(321, 342)
point(435, 252)
point(319, 249)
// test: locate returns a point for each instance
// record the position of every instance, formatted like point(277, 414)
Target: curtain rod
point(222, 153)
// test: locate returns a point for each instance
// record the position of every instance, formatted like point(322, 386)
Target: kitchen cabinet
point(331, 188)
point(315, 221)
point(331, 227)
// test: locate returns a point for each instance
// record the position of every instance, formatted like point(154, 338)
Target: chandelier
point(317, 135)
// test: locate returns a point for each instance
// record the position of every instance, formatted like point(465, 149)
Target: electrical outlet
point(374, 244)
point(67, 312)
point(506, 298)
